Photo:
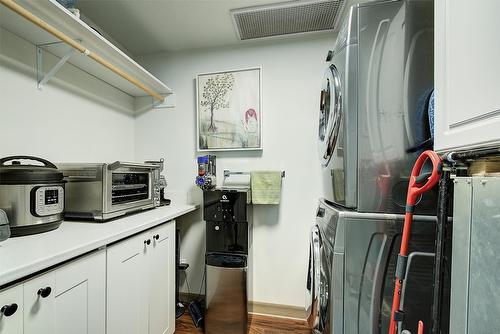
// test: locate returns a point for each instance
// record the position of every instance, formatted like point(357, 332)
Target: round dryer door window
point(330, 114)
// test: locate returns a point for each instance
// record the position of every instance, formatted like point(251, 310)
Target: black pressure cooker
point(32, 195)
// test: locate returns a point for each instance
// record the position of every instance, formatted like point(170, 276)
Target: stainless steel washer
point(322, 244)
point(357, 260)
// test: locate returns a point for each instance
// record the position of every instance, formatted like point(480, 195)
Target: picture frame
point(229, 110)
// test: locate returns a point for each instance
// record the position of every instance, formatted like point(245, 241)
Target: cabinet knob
point(147, 242)
point(157, 237)
point(9, 310)
point(44, 292)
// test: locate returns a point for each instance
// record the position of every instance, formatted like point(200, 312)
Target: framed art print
point(229, 113)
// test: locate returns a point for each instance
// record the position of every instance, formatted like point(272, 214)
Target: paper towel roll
point(237, 181)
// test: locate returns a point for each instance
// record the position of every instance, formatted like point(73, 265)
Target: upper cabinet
point(53, 29)
point(467, 68)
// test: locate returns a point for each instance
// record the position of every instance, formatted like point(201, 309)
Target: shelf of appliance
point(58, 17)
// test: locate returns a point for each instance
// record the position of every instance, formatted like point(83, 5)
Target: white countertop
point(22, 256)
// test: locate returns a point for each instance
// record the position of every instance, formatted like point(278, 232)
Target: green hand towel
point(266, 187)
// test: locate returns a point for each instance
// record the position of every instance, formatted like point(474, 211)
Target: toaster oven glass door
point(129, 187)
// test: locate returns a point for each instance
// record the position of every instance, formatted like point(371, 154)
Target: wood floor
point(258, 324)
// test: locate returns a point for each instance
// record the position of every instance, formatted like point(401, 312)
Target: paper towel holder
point(228, 173)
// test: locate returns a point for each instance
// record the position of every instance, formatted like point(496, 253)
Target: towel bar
point(227, 173)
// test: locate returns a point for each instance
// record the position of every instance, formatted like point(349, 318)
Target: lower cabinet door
point(80, 296)
point(127, 300)
point(39, 305)
point(11, 310)
point(162, 280)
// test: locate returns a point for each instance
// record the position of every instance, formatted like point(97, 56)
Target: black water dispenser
point(228, 217)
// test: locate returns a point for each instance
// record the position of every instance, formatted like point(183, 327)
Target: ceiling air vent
point(286, 18)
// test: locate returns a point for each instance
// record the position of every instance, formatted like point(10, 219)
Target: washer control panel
point(47, 200)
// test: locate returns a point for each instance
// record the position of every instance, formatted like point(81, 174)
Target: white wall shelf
point(60, 18)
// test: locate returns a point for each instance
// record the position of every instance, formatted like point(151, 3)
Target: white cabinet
point(69, 299)
point(141, 283)
point(126, 287)
point(80, 296)
point(39, 305)
point(466, 74)
point(162, 281)
point(11, 310)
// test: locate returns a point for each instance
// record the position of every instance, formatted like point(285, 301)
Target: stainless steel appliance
point(103, 191)
point(313, 278)
point(475, 274)
point(32, 195)
point(357, 260)
point(372, 108)
point(322, 241)
point(160, 182)
point(4, 226)
point(228, 225)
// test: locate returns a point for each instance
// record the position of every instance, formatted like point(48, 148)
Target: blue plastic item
point(431, 115)
point(200, 180)
point(424, 129)
point(203, 159)
point(68, 3)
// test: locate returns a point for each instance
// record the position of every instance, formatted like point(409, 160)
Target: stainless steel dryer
point(357, 260)
point(373, 105)
point(338, 98)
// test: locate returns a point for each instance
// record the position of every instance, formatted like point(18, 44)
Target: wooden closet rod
point(71, 42)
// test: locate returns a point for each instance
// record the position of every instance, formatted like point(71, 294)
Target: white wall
point(70, 119)
point(292, 74)
point(59, 122)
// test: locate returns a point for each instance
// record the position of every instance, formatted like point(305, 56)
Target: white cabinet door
point(127, 279)
point(80, 296)
point(162, 280)
point(39, 305)
point(467, 87)
point(11, 307)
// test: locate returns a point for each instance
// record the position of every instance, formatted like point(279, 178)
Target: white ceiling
point(151, 26)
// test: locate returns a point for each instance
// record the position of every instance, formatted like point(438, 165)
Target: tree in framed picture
point(229, 110)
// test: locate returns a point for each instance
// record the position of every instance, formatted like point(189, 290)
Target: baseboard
point(277, 310)
point(269, 309)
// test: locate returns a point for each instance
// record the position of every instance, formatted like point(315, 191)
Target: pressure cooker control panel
point(47, 200)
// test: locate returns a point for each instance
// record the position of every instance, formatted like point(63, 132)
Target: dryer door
point(330, 114)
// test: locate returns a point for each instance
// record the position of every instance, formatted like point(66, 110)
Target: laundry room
point(249, 166)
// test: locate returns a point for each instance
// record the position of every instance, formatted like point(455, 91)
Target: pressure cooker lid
point(16, 172)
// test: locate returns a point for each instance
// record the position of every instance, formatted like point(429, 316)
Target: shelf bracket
point(43, 79)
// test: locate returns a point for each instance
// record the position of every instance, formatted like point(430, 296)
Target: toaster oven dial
point(47, 200)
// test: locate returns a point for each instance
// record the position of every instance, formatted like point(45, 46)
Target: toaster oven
point(103, 191)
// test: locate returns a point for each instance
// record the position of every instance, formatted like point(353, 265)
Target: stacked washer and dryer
point(372, 115)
